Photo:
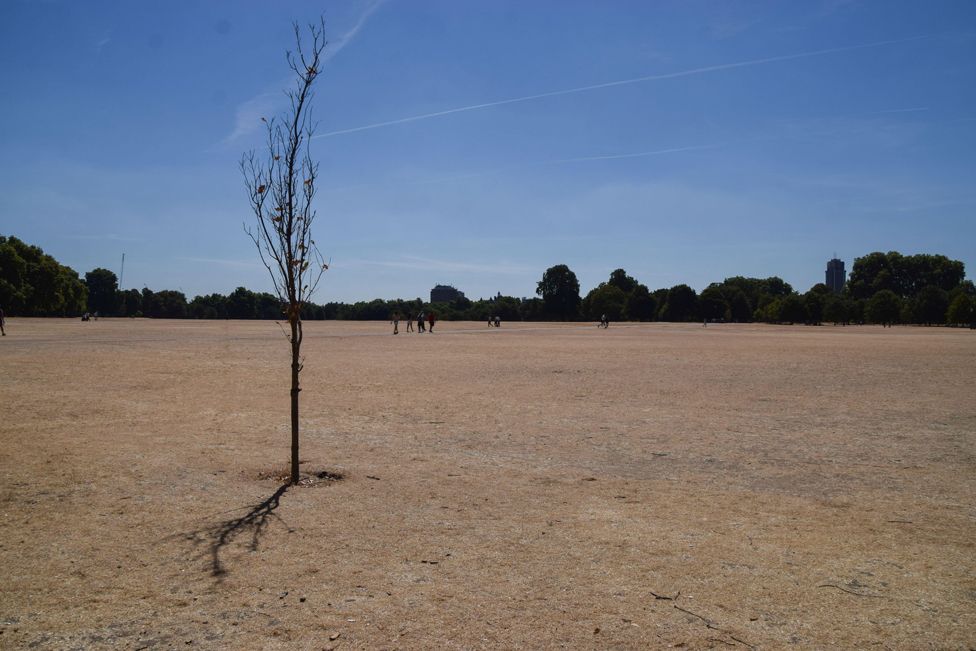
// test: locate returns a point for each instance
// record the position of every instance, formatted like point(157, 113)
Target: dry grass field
point(535, 486)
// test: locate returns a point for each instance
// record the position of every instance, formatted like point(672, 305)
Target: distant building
point(836, 276)
point(444, 294)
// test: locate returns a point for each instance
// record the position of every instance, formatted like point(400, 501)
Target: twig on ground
point(707, 622)
point(740, 641)
point(664, 596)
point(842, 589)
point(711, 625)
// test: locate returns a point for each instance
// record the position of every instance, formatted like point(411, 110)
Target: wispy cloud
point(114, 237)
point(639, 154)
point(916, 109)
point(538, 163)
point(430, 264)
point(830, 7)
point(874, 130)
point(723, 29)
point(100, 45)
point(817, 13)
point(223, 262)
point(625, 82)
point(249, 113)
point(247, 117)
point(336, 45)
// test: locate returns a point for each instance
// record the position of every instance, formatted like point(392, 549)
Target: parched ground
point(534, 486)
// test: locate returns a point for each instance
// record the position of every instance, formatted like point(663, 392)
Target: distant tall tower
point(836, 276)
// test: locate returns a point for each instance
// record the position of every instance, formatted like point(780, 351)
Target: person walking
point(430, 321)
point(2, 321)
point(409, 323)
point(420, 321)
point(395, 320)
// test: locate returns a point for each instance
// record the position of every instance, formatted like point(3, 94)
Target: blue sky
point(752, 138)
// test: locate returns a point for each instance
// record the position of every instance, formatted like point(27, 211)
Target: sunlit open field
point(533, 486)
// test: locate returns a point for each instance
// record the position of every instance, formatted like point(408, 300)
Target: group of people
point(429, 317)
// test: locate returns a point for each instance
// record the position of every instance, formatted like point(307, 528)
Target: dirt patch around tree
point(532, 486)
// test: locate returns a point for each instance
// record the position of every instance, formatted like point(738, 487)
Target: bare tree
point(280, 184)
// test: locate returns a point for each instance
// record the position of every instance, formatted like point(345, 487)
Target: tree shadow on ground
point(255, 522)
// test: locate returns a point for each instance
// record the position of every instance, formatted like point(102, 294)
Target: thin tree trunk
point(281, 191)
point(296, 343)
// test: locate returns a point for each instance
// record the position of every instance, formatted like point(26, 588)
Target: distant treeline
point(883, 288)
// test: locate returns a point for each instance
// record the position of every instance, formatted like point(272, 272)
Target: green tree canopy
point(739, 309)
point(605, 299)
point(965, 287)
point(792, 309)
point(747, 295)
point(814, 302)
point(884, 308)
point(836, 309)
point(103, 291)
point(506, 308)
point(962, 310)
point(33, 283)
point(641, 305)
point(559, 289)
point(164, 304)
point(905, 276)
point(712, 304)
point(131, 303)
point(930, 305)
point(623, 282)
point(242, 304)
point(211, 306)
point(681, 304)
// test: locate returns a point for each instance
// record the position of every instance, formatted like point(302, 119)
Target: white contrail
point(429, 264)
point(638, 154)
point(536, 163)
point(905, 110)
point(624, 82)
